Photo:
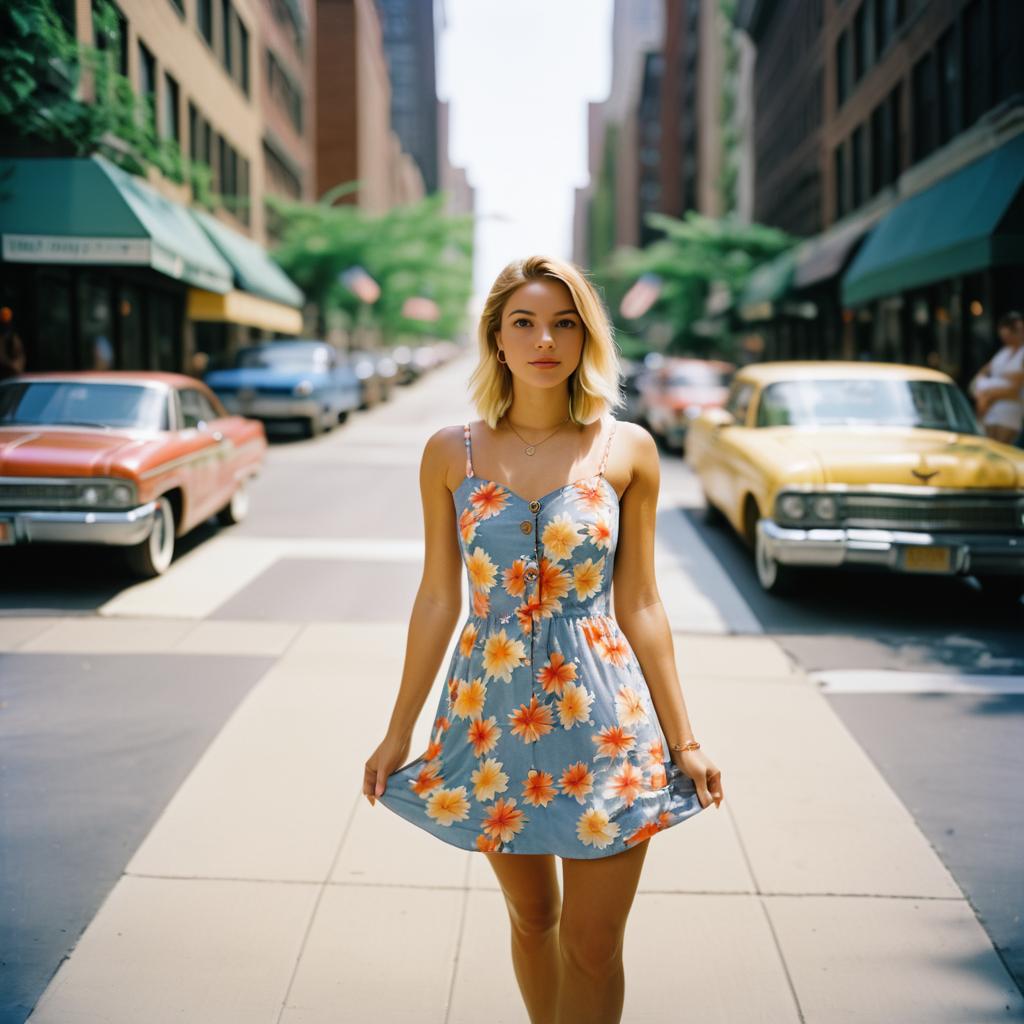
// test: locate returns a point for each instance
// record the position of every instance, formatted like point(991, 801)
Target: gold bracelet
point(692, 745)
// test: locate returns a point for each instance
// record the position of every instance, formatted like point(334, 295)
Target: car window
point(738, 401)
point(195, 408)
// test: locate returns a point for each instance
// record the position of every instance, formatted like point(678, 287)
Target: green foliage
point(70, 98)
point(412, 250)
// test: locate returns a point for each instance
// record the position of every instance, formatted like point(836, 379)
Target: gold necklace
point(531, 448)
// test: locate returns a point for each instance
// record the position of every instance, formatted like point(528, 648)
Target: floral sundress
point(545, 738)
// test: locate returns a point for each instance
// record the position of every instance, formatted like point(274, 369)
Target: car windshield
point(867, 401)
point(697, 376)
point(283, 357)
point(82, 404)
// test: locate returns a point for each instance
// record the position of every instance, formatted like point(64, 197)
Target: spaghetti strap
point(469, 450)
point(607, 448)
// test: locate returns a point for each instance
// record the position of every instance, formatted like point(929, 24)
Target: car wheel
point(1002, 588)
point(343, 415)
point(774, 577)
point(712, 514)
point(237, 508)
point(152, 556)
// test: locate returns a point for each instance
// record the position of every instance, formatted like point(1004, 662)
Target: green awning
point(255, 272)
point(767, 284)
point(88, 211)
point(959, 225)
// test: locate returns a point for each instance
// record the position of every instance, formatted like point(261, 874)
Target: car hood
point(39, 451)
point(887, 455)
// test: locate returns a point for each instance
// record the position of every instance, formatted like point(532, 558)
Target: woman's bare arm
point(641, 615)
point(435, 610)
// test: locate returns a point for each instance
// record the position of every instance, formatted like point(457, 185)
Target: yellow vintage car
point(844, 463)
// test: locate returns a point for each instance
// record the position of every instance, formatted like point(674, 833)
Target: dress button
point(526, 526)
point(534, 506)
point(530, 574)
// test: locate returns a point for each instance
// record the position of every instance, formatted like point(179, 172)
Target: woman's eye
point(568, 323)
point(521, 320)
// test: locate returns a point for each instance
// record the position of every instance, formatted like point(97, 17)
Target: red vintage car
point(127, 458)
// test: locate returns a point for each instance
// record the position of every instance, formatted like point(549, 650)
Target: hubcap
point(160, 538)
point(767, 568)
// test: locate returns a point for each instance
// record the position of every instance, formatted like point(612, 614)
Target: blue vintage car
point(291, 379)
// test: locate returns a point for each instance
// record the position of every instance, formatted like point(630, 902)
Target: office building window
point(171, 126)
point(112, 35)
point(243, 57)
point(227, 31)
point(977, 63)
point(284, 91)
point(861, 56)
point(842, 69)
point(949, 86)
point(839, 158)
point(857, 168)
point(179, 6)
point(204, 18)
point(925, 114)
point(147, 74)
point(242, 207)
point(1008, 49)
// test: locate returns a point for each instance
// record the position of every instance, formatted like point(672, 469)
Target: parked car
point(376, 372)
point(129, 459)
point(290, 379)
point(861, 464)
point(678, 390)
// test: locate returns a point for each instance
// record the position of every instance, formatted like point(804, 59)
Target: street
point(184, 836)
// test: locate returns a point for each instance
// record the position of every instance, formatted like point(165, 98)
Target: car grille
point(938, 512)
point(24, 495)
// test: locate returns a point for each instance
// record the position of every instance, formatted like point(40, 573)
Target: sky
point(518, 75)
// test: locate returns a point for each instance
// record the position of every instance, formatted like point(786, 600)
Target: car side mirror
point(720, 418)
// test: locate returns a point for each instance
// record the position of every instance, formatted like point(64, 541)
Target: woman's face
point(541, 333)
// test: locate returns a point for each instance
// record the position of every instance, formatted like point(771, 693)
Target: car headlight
point(824, 506)
point(792, 506)
point(90, 495)
point(122, 494)
point(304, 387)
point(105, 493)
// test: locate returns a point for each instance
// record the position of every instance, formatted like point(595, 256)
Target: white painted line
point(891, 681)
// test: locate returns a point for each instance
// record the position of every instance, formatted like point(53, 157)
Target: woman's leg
point(530, 884)
point(598, 897)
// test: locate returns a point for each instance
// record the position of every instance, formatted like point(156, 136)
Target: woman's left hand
point(706, 777)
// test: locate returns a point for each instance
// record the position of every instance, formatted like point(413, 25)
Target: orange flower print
point(467, 525)
point(574, 707)
point(489, 499)
point(659, 777)
point(626, 784)
point(482, 571)
point(489, 780)
point(577, 781)
point(483, 735)
point(453, 688)
point(530, 723)
point(588, 494)
point(588, 578)
point(600, 534)
point(503, 654)
point(529, 612)
point(470, 699)
point(448, 805)
point(481, 602)
point(629, 706)
point(428, 779)
point(467, 639)
point(613, 742)
point(514, 578)
point(537, 788)
point(503, 821)
point(648, 829)
point(554, 582)
point(594, 829)
point(614, 650)
point(434, 750)
point(560, 537)
point(595, 629)
point(654, 751)
point(486, 845)
point(555, 673)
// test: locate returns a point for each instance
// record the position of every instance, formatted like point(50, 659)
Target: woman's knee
point(534, 916)
point(591, 948)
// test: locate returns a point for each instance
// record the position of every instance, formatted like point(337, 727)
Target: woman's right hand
point(389, 755)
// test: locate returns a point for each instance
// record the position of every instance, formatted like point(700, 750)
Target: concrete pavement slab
point(892, 960)
point(163, 951)
point(15, 631)
point(108, 636)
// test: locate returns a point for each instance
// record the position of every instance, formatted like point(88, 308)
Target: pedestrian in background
point(998, 387)
point(12, 351)
point(561, 730)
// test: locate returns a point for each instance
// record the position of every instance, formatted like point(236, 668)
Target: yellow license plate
point(927, 559)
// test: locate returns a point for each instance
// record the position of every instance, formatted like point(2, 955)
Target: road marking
point(888, 681)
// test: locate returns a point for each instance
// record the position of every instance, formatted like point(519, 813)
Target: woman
point(561, 731)
point(998, 386)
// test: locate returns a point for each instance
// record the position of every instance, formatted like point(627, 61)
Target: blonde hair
point(593, 385)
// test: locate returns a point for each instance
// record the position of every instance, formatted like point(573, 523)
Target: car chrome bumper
point(78, 527)
point(969, 553)
point(265, 408)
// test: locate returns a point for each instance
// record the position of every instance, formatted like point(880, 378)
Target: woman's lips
point(544, 362)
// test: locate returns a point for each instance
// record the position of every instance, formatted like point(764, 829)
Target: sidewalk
point(271, 891)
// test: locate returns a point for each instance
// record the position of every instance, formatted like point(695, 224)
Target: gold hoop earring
point(504, 362)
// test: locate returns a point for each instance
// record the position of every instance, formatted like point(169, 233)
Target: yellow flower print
point(574, 707)
point(467, 639)
point(626, 784)
point(488, 780)
point(560, 537)
point(502, 654)
point(629, 706)
point(470, 699)
point(482, 571)
point(594, 829)
point(588, 577)
point(467, 525)
point(448, 805)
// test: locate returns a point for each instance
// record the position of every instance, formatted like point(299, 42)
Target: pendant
point(530, 450)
